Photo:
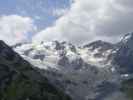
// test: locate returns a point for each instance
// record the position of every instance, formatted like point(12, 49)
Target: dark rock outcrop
point(123, 58)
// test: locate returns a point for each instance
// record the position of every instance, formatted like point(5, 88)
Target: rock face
point(124, 55)
point(99, 44)
point(20, 81)
point(101, 50)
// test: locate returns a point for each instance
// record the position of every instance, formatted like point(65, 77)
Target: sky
point(76, 21)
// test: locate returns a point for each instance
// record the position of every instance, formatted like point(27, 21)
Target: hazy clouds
point(88, 20)
point(14, 28)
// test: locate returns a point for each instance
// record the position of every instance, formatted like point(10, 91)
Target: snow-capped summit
point(127, 37)
point(99, 44)
point(100, 51)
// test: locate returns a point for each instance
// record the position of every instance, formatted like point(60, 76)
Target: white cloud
point(14, 28)
point(88, 20)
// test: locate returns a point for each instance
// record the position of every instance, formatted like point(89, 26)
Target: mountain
point(95, 71)
point(124, 55)
point(19, 80)
point(101, 50)
point(99, 44)
point(96, 53)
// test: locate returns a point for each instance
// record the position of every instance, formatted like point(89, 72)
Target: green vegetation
point(23, 89)
point(127, 87)
point(19, 86)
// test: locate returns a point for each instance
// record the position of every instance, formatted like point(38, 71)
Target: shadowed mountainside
point(20, 81)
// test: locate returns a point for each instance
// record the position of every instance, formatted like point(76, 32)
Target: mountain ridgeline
point(20, 81)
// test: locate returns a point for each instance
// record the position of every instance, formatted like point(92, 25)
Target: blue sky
point(41, 11)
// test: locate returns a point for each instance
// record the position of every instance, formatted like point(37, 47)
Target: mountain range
point(63, 71)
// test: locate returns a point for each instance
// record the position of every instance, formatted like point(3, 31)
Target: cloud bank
point(14, 28)
point(88, 20)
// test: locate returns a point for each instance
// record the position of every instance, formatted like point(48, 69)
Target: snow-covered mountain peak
point(127, 38)
point(99, 44)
